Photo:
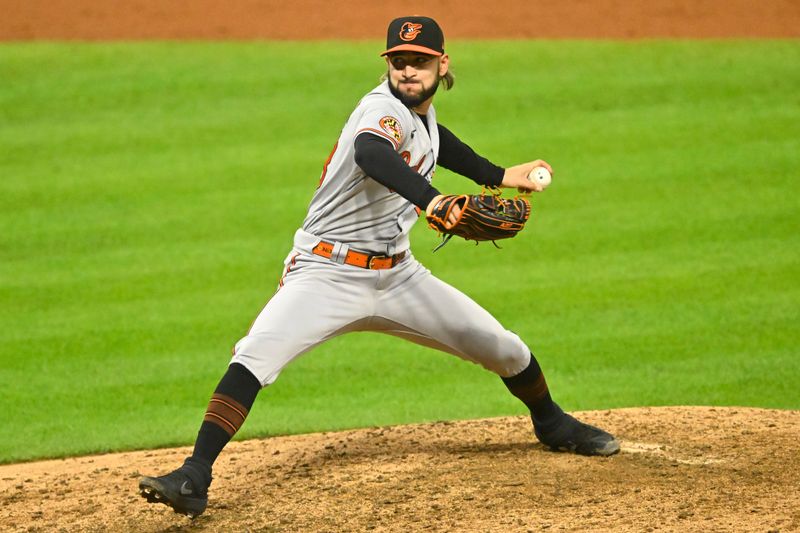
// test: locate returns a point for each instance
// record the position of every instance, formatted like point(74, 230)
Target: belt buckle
point(378, 257)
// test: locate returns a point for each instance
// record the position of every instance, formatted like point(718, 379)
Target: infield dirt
point(680, 468)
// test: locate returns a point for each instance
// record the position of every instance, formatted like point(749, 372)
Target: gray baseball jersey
point(349, 206)
point(319, 298)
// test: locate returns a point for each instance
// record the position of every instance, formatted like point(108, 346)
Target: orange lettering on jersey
point(419, 165)
point(325, 166)
point(392, 126)
point(410, 30)
point(406, 155)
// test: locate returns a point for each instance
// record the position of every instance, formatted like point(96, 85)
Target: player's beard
point(412, 101)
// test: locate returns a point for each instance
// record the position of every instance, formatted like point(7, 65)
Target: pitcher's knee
point(510, 364)
point(504, 354)
point(263, 357)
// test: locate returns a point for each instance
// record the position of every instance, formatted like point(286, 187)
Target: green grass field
point(149, 192)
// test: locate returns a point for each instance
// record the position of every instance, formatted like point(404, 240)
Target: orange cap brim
point(412, 48)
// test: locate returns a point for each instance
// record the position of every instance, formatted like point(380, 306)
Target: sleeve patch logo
point(392, 126)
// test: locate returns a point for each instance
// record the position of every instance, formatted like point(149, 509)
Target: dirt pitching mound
point(680, 469)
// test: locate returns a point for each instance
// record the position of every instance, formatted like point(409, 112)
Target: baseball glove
point(483, 217)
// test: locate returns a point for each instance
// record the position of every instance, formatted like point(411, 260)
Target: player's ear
point(444, 64)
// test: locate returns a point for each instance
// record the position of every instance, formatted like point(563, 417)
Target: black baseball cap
point(414, 34)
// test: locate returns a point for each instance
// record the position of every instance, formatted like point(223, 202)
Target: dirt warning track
point(367, 19)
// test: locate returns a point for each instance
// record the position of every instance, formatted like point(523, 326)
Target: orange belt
point(360, 259)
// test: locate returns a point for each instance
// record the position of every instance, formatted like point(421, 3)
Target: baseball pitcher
point(351, 268)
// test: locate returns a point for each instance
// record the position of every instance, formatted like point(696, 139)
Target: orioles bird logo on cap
point(410, 30)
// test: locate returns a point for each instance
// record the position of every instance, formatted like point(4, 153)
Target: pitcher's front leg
point(437, 315)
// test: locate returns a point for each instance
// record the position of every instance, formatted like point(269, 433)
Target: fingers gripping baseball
point(533, 176)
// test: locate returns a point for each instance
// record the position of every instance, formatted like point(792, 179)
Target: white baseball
point(540, 175)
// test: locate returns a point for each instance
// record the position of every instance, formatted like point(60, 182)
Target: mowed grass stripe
point(149, 192)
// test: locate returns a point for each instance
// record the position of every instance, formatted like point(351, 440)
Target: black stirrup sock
point(531, 387)
point(227, 410)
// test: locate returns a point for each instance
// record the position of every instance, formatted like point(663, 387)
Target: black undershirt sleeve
point(456, 156)
point(378, 159)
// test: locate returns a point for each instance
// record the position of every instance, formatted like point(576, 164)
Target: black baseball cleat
point(185, 489)
point(571, 435)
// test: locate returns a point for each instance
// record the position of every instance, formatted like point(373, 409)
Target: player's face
point(414, 77)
